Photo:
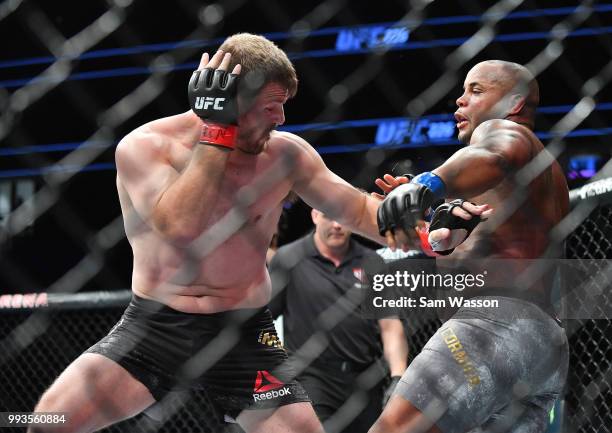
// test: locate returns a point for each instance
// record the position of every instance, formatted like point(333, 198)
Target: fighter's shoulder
point(149, 141)
point(516, 142)
point(503, 126)
point(287, 140)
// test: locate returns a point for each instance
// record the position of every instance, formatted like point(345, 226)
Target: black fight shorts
point(235, 356)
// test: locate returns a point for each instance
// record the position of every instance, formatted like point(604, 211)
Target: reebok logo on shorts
point(266, 382)
point(267, 387)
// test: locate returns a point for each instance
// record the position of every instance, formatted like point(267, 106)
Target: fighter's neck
point(521, 120)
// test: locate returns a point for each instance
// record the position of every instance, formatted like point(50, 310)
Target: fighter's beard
point(465, 139)
point(251, 152)
point(255, 150)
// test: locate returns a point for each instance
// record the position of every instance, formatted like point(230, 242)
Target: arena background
point(378, 82)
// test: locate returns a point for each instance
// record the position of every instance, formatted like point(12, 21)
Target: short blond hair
point(261, 57)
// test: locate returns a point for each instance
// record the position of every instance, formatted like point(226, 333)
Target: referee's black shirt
point(305, 284)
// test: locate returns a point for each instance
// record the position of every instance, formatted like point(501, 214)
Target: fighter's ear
point(517, 102)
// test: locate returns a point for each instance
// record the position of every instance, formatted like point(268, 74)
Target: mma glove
point(213, 98)
point(404, 206)
point(460, 228)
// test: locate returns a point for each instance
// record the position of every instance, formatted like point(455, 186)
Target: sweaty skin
point(484, 172)
point(172, 189)
point(199, 219)
point(495, 118)
point(524, 234)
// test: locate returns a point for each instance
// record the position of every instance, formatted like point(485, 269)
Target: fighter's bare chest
point(241, 197)
point(248, 189)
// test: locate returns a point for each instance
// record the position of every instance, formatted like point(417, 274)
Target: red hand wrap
point(216, 134)
point(425, 245)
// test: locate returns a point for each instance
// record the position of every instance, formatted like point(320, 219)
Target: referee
point(311, 281)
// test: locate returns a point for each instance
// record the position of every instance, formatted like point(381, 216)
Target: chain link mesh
point(64, 336)
point(589, 383)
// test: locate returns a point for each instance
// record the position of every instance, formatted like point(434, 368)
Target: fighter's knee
point(71, 425)
point(49, 402)
point(53, 401)
point(307, 422)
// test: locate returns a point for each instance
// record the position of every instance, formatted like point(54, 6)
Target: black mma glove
point(404, 206)
point(213, 97)
point(460, 228)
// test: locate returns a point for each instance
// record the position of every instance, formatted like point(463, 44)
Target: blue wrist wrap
point(433, 182)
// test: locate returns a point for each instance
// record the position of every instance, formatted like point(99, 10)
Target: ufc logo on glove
point(206, 102)
point(213, 98)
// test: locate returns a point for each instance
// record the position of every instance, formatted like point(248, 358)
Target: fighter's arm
point(323, 190)
point(176, 205)
point(395, 345)
point(497, 148)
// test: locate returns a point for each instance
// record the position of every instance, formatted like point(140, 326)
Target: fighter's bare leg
point(400, 416)
point(292, 418)
point(94, 392)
